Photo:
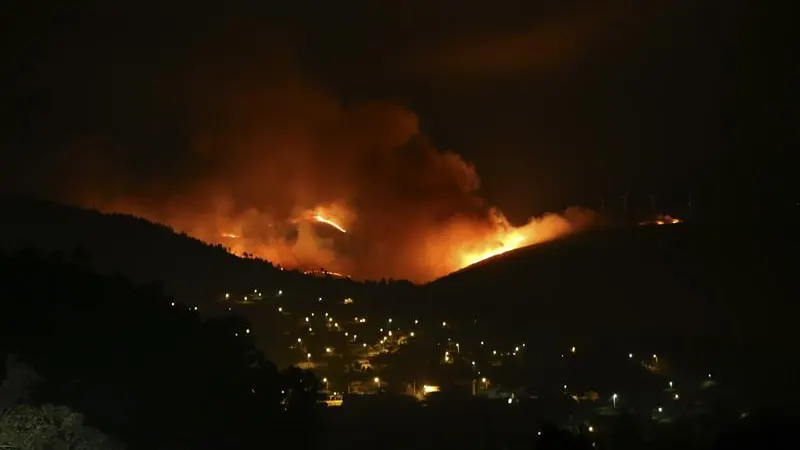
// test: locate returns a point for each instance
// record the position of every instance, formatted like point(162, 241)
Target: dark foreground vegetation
point(146, 371)
point(94, 362)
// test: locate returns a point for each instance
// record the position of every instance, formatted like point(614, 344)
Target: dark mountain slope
point(677, 281)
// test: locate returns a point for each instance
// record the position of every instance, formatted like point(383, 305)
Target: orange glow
point(419, 252)
point(662, 220)
point(468, 243)
point(322, 219)
point(289, 161)
point(510, 242)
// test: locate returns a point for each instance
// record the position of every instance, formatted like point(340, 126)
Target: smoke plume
point(258, 157)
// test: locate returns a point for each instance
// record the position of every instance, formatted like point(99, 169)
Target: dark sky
point(553, 101)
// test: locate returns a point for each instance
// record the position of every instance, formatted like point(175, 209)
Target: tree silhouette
point(143, 368)
point(26, 427)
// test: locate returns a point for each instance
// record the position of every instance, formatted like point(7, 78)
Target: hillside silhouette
point(722, 282)
point(694, 278)
point(143, 251)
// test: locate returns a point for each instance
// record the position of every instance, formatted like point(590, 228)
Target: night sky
point(554, 102)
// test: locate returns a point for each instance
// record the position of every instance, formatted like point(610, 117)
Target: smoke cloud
point(256, 151)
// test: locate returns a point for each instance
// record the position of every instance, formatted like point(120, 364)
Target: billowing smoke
point(261, 156)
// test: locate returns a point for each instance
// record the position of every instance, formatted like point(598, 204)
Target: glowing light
point(511, 244)
point(322, 219)
point(428, 389)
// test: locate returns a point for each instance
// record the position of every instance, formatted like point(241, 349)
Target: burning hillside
point(286, 172)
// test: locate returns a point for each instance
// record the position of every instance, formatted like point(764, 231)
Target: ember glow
point(662, 220)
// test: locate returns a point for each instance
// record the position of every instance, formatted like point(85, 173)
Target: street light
point(614, 399)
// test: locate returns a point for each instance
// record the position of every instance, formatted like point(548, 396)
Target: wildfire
point(662, 220)
point(511, 242)
point(321, 219)
point(463, 243)
point(419, 253)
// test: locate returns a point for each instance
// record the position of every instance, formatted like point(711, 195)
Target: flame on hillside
point(322, 219)
point(285, 172)
point(662, 220)
point(333, 215)
point(463, 244)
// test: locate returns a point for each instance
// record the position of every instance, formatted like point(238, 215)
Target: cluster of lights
point(448, 358)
